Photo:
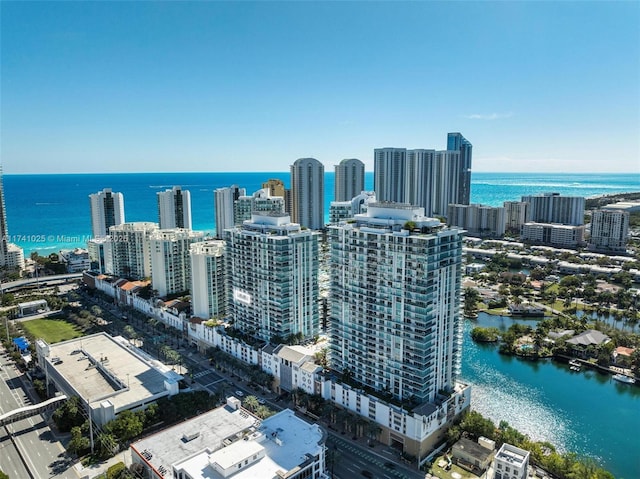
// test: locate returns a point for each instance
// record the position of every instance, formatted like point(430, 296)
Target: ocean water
point(46, 213)
point(585, 412)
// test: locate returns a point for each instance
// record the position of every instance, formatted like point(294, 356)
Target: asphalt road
point(352, 460)
point(32, 438)
point(48, 280)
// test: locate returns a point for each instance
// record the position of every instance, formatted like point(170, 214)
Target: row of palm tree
point(346, 420)
point(225, 362)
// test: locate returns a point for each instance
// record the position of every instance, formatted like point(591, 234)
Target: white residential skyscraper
point(208, 279)
point(131, 249)
point(515, 215)
point(260, 202)
point(349, 179)
point(424, 177)
point(395, 314)
point(389, 174)
point(174, 208)
point(224, 200)
point(478, 220)
point(307, 193)
point(273, 277)
point(609, 231)
point(107, 210)
point(101, 254)
point(170, 260)
point(554, 208)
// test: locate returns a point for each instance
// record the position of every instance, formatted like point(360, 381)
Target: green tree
point(475, 424)
point(130, 332)
point(69, 414)
point(79, 442)
point(373, 430)
point(119, 471)
point(106, 445)
point(485, 334)
point(320, 358)
point(251, 403)
point(263, 412)
point(126, 426)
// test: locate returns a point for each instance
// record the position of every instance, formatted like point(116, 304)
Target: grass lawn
point(51, 330)
point(498, 311)
point(442, 474)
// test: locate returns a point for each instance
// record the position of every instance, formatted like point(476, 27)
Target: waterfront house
point(584, 342)
point(471, 455)
point(622, 356)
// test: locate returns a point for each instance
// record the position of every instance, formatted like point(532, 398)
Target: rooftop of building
point(226, 435)
point(206, 431)
point(295, 354)
point(287, 441)
point(472, 448)
point(100, 367)
point(624, 351)
point(589, 337)
point(32, 304)
point(512, 454)
point(132, 285)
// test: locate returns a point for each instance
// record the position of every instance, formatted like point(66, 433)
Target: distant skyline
point(253, 86)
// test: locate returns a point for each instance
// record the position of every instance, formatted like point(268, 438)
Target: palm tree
point(300, 398)
point(373, 431)
point(251, 403)
point(342, 418)
point(360, 424)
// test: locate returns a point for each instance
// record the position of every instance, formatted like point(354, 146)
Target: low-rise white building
point(511, 462)
point(77, 260)
point(32, 307)
point(229, 442)
point(564, 236)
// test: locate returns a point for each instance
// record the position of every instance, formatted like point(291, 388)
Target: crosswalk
point(372, 459)
point(201, 374)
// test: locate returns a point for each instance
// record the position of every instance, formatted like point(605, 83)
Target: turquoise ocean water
point(583, 412)
point(51, 212)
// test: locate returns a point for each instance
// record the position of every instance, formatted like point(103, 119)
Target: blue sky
point(242, 86)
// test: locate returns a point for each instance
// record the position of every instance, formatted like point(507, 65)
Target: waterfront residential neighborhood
point(319, 240)
point(123, 355)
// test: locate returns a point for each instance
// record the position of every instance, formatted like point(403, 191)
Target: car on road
point(261, 401)
point(239, 393)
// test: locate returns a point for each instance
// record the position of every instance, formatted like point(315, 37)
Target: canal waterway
point(585, 412)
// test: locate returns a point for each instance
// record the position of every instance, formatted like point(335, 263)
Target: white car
point(261, 401)
point(239, 393)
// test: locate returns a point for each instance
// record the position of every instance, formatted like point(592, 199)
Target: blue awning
point(21, 343)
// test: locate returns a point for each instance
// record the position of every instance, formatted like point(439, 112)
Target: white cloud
point(490, 116)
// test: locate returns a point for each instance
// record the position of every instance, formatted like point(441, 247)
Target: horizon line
point(287, 172)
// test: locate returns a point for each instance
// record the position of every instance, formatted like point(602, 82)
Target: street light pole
point(90, 424)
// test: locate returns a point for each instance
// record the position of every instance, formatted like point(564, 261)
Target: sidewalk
point(101, 468)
